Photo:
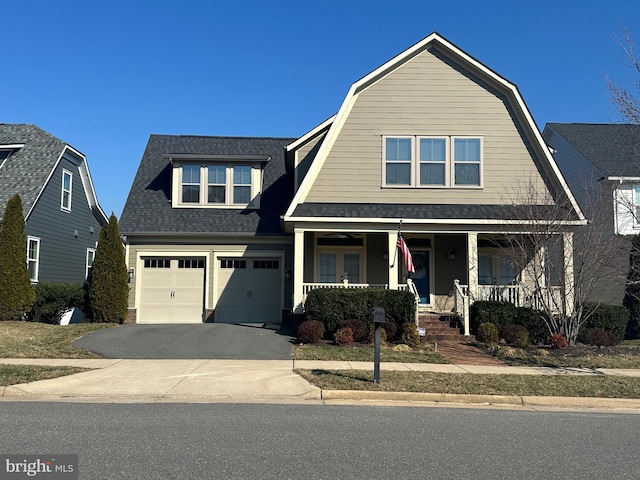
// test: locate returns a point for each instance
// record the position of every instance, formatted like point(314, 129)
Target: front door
point(421, 276)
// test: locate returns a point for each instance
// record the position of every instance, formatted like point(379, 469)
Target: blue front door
point(421, 277)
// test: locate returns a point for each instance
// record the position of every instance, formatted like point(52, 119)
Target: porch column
point(392, 280)
point(298, 270)
point(569, 287)
point(472, 267)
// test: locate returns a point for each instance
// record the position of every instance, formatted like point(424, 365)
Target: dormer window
point(217, 181)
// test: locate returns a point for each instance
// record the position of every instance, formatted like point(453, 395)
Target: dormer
point(217, 181)
point(7, 150)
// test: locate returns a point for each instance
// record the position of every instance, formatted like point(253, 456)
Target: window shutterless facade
point(33, 257)
point(67, 182)
point(91, 255)
point(432, 161)
point(218, 185)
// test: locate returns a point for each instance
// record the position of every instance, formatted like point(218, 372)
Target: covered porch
point(452, 269)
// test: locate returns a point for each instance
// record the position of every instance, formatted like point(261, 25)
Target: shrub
point(600, 337)
point(383, 335)
point(310, 331)
point(332, 306)
point(390, 329)
point(52, 299)
point(108, 281)
point(558, 340)
point(532, 320)
point(522, 339)
point(410, 335)
point(509, 332)
point(358, 328)
point(487, 333)
point(613, 318)
point(16, 293)
point(344, 336)
point(632, 291)
point(498, 313)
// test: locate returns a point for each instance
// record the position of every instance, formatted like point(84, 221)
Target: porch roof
point(457, 212)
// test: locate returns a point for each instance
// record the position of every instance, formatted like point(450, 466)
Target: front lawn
point(364, 353)
point(14, 374)
point(41, 340)
point(464, 383)
point(571, 357)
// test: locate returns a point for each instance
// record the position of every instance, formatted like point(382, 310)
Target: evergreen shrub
point(53, 299)
point(332, 306)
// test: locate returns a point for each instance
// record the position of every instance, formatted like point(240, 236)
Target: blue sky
point(104, 76)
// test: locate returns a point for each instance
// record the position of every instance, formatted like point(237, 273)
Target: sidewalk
point(271, 381)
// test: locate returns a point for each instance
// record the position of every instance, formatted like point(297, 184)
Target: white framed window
point(432, 161)
point(496, 269)
point(636, 206)
point(33, 257)
point(338, 264)
point(219, 185)
point(91, 255)
point(67, 183)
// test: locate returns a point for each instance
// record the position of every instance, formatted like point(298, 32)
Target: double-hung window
point(33, 257)
point(217, 184)
point(191, 184)
point(67, 182)
point(438, 161)
point(91, 255)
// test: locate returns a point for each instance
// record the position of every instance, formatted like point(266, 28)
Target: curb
point(513, 400)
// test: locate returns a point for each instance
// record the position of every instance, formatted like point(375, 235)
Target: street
point(258, 441)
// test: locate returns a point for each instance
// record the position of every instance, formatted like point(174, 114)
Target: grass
point(359, 353)
point(572, 357)
point(41, 340)
point(14, 374)
point(461, 383)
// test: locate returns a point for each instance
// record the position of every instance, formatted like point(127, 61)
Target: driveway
point(202, 341)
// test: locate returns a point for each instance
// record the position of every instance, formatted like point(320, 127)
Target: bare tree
point(559, 271)
point(625, 97)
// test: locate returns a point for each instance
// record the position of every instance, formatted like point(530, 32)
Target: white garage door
point(172, 290)
point(249, 290)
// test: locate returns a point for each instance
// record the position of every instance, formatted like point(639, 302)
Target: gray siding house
point(230, 229)
point(62, 215)
point(601, 164)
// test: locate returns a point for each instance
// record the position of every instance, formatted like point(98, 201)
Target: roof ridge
point(234, 137)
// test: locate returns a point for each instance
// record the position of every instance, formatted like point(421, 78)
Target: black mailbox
point(377, 315)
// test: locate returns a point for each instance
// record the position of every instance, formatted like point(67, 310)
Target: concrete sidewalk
point(113, 380)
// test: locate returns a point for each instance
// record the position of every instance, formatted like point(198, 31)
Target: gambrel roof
point(27, 170)
point(450, 53)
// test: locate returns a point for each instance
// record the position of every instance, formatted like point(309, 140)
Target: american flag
point(408, 259)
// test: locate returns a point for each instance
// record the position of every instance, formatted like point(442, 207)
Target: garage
point(249, 290)
point(172, 290)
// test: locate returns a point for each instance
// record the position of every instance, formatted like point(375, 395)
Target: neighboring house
point(62, 215)
point(432, 138)
point(601, 164)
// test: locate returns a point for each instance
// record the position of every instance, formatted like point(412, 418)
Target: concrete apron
point(172, 379)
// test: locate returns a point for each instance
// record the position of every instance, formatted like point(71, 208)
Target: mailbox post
point(377, 315)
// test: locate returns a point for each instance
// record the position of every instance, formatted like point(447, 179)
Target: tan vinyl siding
point(426, 96)
point(305, 156)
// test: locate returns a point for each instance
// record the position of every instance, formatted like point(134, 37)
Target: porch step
point(441, 328)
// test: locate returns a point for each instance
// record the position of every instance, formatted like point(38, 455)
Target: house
point(62, 215)
point(601, 164)
point(432, 140)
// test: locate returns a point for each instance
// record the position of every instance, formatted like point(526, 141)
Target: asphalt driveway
point(202, 341)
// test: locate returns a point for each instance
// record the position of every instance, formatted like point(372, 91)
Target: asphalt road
point(245, 441)
point(207, 340)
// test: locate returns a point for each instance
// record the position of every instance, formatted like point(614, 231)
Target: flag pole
point(395, 250)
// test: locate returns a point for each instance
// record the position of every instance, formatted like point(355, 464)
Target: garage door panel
point(172, 291)
point(249, 291)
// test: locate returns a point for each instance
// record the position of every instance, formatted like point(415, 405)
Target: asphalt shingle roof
point(148, 207)
point(431, 211)
point(612, 148)
point(26, 170)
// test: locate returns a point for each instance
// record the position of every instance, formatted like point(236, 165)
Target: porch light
point(75, 233)
point(131, 273)
point(287, 273)
point(451, 254)
point(385, 255)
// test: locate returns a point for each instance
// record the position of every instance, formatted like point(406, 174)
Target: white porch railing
point(461, 302)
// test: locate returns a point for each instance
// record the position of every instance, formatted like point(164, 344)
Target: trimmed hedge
point(502, 314)
point(53, 298)
point(612, 318)
point(332, 306)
